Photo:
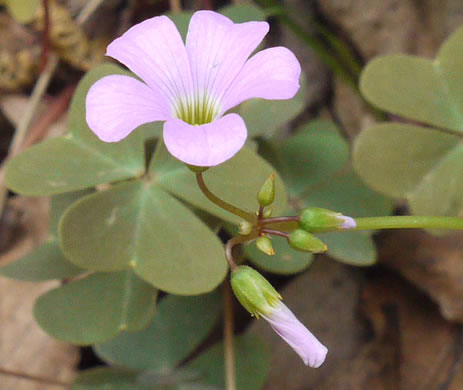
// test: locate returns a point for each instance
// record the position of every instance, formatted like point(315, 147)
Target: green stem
point(277, 220)
point(407, 222)
point(229, 350)
point(221, 203)
point(235, 241)
point(274, 232)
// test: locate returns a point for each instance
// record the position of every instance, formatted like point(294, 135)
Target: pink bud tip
point(348, 222)
point(304, 343)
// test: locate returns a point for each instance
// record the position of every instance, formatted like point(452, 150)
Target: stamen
point(200, 109)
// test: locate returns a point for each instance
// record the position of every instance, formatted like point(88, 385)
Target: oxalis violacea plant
point(191, 87)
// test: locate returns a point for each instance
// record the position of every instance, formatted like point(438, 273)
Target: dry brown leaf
point(434, 264)
point(24, 347)
point(26, 221)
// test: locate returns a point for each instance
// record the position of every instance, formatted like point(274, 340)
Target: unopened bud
point(267, 212)
point(259, 297)
point(301, 240)
point(244, 228)
point(315, 219)
point(253, 291)
point(264, 244)
point(266, 195)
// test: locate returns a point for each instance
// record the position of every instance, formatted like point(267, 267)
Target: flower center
point(198, 109)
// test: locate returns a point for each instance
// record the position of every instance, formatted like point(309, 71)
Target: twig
point(55, 110)
point(88, 10)
point(36, 96)
point(204, 4)
point(46, 34)
point(275, 220)
point(175, 6)
point(229, 350)
point(275, 233)
point(21, 131)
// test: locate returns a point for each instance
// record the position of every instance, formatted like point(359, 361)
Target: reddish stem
point(45, 34)
point(275, 233)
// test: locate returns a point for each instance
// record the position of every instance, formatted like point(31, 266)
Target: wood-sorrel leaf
point(96, 308)
point(413, 162)
point(394, 158)
point(252, 364)
point(78, 160)
point(177, 329)
point(417, 88)
point(315, 153)
point(137, 225)
point(244, 12)
point(47, 261)
point(114, 378)
point(421, 164)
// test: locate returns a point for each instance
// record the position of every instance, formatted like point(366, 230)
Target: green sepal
point(253, 291)
point(196, 169)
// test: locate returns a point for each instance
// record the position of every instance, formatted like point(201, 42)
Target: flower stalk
point(221, 203)
point(228, 329)
point(409, 222)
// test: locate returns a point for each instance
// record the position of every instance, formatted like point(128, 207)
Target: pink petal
point(116, 105)
point(304, 343)
point(206, 145)
point(155, 52)
point(347, 222)
point(218, 49)
point(270, 74)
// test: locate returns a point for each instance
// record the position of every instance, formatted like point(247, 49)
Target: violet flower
point(299, 338)
point(190, 86)
point(260, 299)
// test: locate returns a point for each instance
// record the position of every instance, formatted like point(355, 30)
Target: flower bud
point(266, 195)
point(264, 244)
point(301, 240)
point(259, 297)
point(244, 228)
point(253, 291)
point(289, 328)
point(268, 212)
point(316, 218)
